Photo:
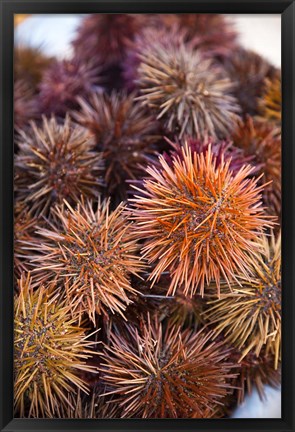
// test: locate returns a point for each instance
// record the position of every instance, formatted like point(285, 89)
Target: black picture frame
point(7, 10)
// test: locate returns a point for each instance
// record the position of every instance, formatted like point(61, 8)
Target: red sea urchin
point(188, 92)
point(54, 162)
point(198, 221)
point(93, 253)
point(50, 351)
point(154, 373)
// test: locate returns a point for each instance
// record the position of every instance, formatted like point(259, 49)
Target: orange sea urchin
point(198, 220)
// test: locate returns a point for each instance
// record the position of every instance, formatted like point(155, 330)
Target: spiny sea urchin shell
point(50, 350)
point(198, 220)
point(94, 253)
point(249, 315)
point(154, 373)
point(263, 141)
point(54, 162)
point(63, 81)
point(123, 132)
point(189, 93)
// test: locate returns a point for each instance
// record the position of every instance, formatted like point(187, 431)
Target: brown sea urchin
point(249, 316)
point(154, 373)
point(24, 231)
point(93, 253)
point(50, 350)
point(189, 93)
point(198, 220)
point(123, 131)
point(255, 373)
point(56, 161)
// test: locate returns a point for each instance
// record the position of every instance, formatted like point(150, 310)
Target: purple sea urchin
point(221, 150)
point(212, 33)
point(63, 81)
point(148, 38)
point(106, 37)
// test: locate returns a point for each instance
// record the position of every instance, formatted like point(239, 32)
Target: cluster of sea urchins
point(147, 221)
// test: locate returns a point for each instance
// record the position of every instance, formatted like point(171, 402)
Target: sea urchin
point(188, 92)
point(198, 220)
point(155, 373)
point(54, 162)
point(93, 253)
point(50, 350)
point(249, 316)
point(123, 132)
